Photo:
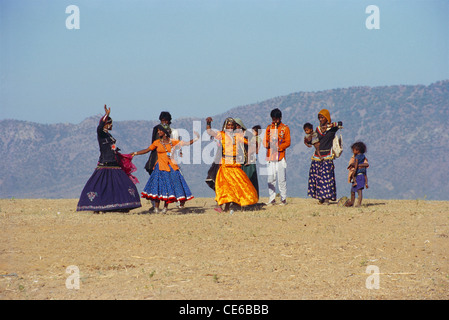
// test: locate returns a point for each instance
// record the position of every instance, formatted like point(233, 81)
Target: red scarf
point(126, 164)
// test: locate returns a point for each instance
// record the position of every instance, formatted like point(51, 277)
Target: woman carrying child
point(321, 183)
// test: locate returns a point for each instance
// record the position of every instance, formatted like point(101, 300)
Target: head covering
point(240, 123)
point(325, 113)
point(163, 129)
point(227, 120)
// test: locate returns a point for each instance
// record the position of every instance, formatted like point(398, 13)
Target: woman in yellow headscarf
point(321, 183)
point(232, 185)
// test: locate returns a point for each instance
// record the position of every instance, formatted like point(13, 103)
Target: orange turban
point(325, 113)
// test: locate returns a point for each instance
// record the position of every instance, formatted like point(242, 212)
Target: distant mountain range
point(405, 128)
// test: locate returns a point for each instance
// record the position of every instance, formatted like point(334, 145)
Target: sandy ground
point(387, 249)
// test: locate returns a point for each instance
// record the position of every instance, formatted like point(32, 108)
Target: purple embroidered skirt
point(322, 180)
point(109, 189)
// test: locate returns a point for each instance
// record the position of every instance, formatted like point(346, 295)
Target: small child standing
point(358, 178)
point(311, 138)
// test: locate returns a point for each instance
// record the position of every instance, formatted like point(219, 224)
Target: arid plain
point(386, 249)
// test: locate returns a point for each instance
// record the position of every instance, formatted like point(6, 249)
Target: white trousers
point(277, 171)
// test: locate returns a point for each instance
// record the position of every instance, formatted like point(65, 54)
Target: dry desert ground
point(386, 249)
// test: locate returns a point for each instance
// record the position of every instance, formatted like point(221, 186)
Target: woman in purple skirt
point(109, 188)
point(322, 184)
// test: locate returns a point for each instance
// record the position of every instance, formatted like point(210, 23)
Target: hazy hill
point(404, 127)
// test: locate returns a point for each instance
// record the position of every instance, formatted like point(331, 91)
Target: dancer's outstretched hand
point(107, 110)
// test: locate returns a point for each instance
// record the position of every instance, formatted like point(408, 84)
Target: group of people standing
point(233, 176)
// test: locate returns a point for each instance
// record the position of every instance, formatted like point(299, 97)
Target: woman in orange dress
point(166, 183)
point(232, 185)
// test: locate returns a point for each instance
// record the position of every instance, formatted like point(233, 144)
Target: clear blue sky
point(203, 57)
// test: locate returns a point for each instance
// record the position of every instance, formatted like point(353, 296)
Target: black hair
point(359, 145)
point(308, 125)
point(163, 129)
point(257, 128)
point(165, 115)
point(276, 113)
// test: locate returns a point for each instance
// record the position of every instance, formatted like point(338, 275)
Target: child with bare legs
point(358, 176)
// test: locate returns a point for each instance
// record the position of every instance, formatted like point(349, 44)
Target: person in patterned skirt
point(109, 188)
point(166, 183)
point(321, 185)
